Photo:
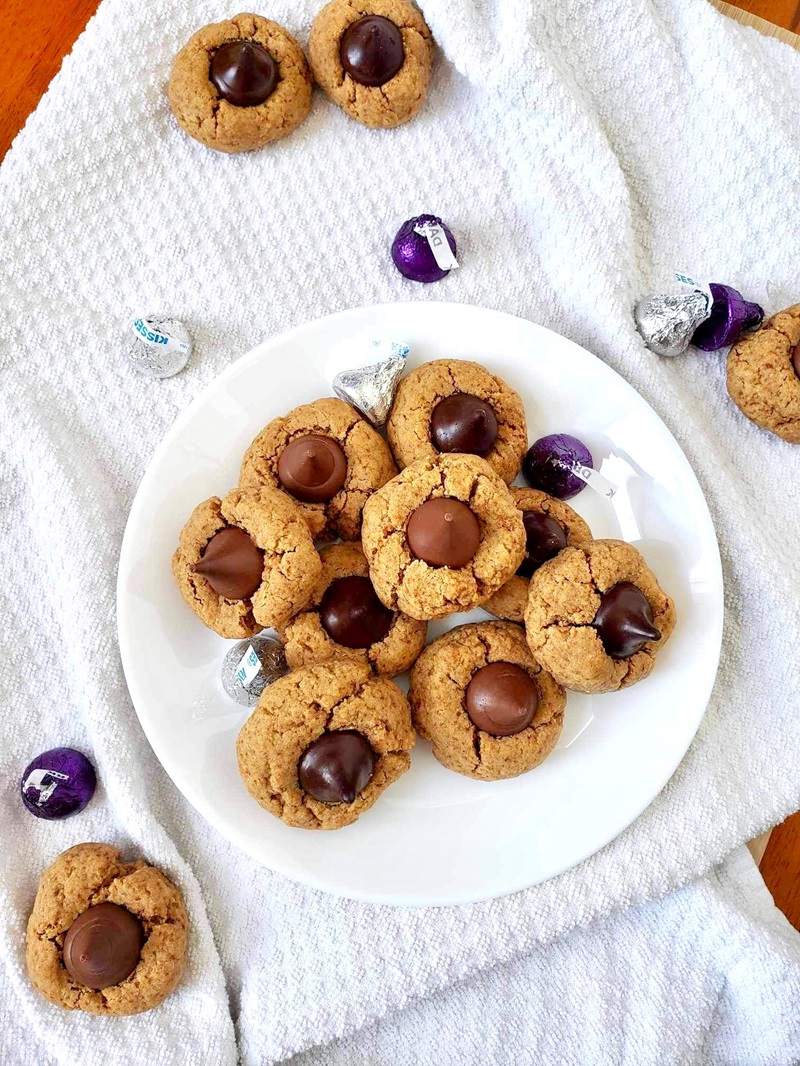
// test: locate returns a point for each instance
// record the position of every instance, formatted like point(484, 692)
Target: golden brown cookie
point(419, 394)
point(402, 578)
point(369, 463)
point(390, 102)
point(86, 876)
point(290, 569)
point(204, 114)
point(350, 610)
point(440, 698)
point(509, 602)
point(288, 737)
point(764, 375)
point(563, 603)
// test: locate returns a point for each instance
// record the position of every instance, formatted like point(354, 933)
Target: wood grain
point(785, 13)
point(39, 33)
point(780, 868)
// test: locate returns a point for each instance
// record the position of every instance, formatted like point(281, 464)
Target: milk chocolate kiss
point(232, 564)
point(312, 468)
point(443, 532)
point(103, 946)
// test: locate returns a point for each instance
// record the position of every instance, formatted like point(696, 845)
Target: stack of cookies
point(349, 544)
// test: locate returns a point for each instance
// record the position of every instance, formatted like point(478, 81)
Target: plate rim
point(238, 837)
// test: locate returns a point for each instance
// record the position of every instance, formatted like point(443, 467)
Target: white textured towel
point(580, 151)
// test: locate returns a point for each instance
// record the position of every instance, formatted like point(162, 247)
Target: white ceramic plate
point(434, 837)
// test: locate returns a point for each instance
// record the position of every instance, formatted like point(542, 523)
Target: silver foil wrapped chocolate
point(160, 347)
point(370, 389)
point(667, 322)
point(250, 666)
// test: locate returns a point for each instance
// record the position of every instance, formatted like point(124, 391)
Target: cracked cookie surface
point(306, 641)
point(291, 562)
point(412, 586)
point(563, 601)
point(509, 601)
point(382, 106)
point(369, 463)
point(762, 381)
point(437, 693)
point(204, 115)
point(297, 709)
point(80, 878)
point(409, 424)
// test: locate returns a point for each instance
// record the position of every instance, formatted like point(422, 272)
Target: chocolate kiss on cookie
point(371, 50)
point(796, 359)
point(544, 539)
point(232, 564)
point(352, 615)
point(337, 766)
point(243, 73)
point(443, 532)
point(501, 699)
point(463, 423)
point(312, 468)
point(103, 946)
point(624, 621)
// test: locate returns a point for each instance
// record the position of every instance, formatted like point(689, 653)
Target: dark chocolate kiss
point(796, 359)
point(243, 73)
point(352, 615)
point(232, 564)
point(624, 621)
point(103, 946)
point(337, 766)
point(371, 50)
point(544, 539)
point(463, 423)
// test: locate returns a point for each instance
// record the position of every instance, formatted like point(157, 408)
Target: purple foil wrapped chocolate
point(424, 249)
point(58, 783)
point(731, 316)
point(550, 465)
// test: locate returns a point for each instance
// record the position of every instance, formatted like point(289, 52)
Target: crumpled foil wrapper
point(370, 389)
point(667, 322)
point(250, 666)
point(160, 347)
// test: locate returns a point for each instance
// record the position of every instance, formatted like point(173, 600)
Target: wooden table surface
point(38, 33)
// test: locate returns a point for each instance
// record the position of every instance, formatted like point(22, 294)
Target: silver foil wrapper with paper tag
point(160, 347)
point(370, 389)
point(250, 666)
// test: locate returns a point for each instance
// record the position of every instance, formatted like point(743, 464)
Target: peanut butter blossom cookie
point(246, 562)
point(597, 617)
point(240, 84)
point(346, 620)
point(550, 525)
point(450, 405)
point(327, 459)
point(481, 698)
point(104, 936)
point(324, 742)
point(442, 536)
point(373, 59)
point(764, 375)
